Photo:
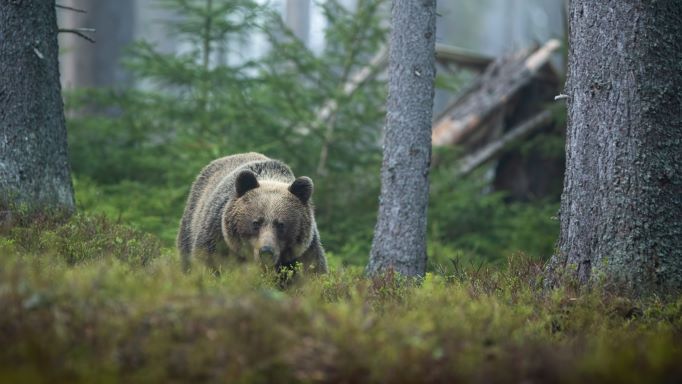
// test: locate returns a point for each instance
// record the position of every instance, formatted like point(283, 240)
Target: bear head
point(269, 221)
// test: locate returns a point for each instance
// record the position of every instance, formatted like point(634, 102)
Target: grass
point(90, 301)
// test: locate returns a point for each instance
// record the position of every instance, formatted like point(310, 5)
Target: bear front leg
point(206, 249)
point(313, 259)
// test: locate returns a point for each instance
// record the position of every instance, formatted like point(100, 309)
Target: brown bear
point(250, 207)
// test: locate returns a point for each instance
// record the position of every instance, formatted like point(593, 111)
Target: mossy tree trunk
point(621, 210)
point(34, 167)
point(400, 234)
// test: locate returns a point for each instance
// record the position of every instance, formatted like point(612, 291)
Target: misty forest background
point(170, 85)
point(98, 295)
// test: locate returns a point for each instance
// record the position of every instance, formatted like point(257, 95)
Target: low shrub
point(117, 316)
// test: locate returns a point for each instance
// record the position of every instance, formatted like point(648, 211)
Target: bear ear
point(302, 188)
point(246, 181)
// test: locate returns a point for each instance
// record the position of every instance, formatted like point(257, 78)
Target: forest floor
point(91, 301)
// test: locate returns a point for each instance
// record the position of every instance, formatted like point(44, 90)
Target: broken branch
point(79, 32)
point(70, 8)
point(494, 149)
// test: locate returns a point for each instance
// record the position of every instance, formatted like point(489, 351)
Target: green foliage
point(135, 152)
point(115, 319)
point(468, 223)
point(80, 239)
point(453, 81)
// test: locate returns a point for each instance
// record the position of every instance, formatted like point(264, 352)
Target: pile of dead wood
point(506, 103)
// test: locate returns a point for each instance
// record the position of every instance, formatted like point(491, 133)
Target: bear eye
point(256, 224)
point(280, 226)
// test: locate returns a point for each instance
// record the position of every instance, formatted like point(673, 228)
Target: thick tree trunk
point(400, 234)
point(621, 212)
point(34, 166)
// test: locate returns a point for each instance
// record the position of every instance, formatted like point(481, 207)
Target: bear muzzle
point(265, 249)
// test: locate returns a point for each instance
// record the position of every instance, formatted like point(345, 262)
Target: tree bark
point(621, 206)
point(34, 168)
point(400, 234)
point(297, 17)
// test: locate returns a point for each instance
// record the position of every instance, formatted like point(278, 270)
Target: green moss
point(110, 317)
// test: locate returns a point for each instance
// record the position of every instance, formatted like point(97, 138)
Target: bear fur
point(250, 207)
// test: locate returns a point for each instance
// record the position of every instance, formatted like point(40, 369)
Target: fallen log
point(495, 148)
point(492, 91)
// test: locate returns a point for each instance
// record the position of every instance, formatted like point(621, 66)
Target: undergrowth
point(87, 300)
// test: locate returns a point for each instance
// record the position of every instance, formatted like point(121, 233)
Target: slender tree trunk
point(34, 166)
point(86, 64)
point(297, 17)
point(400, 234)
point(621, 211)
